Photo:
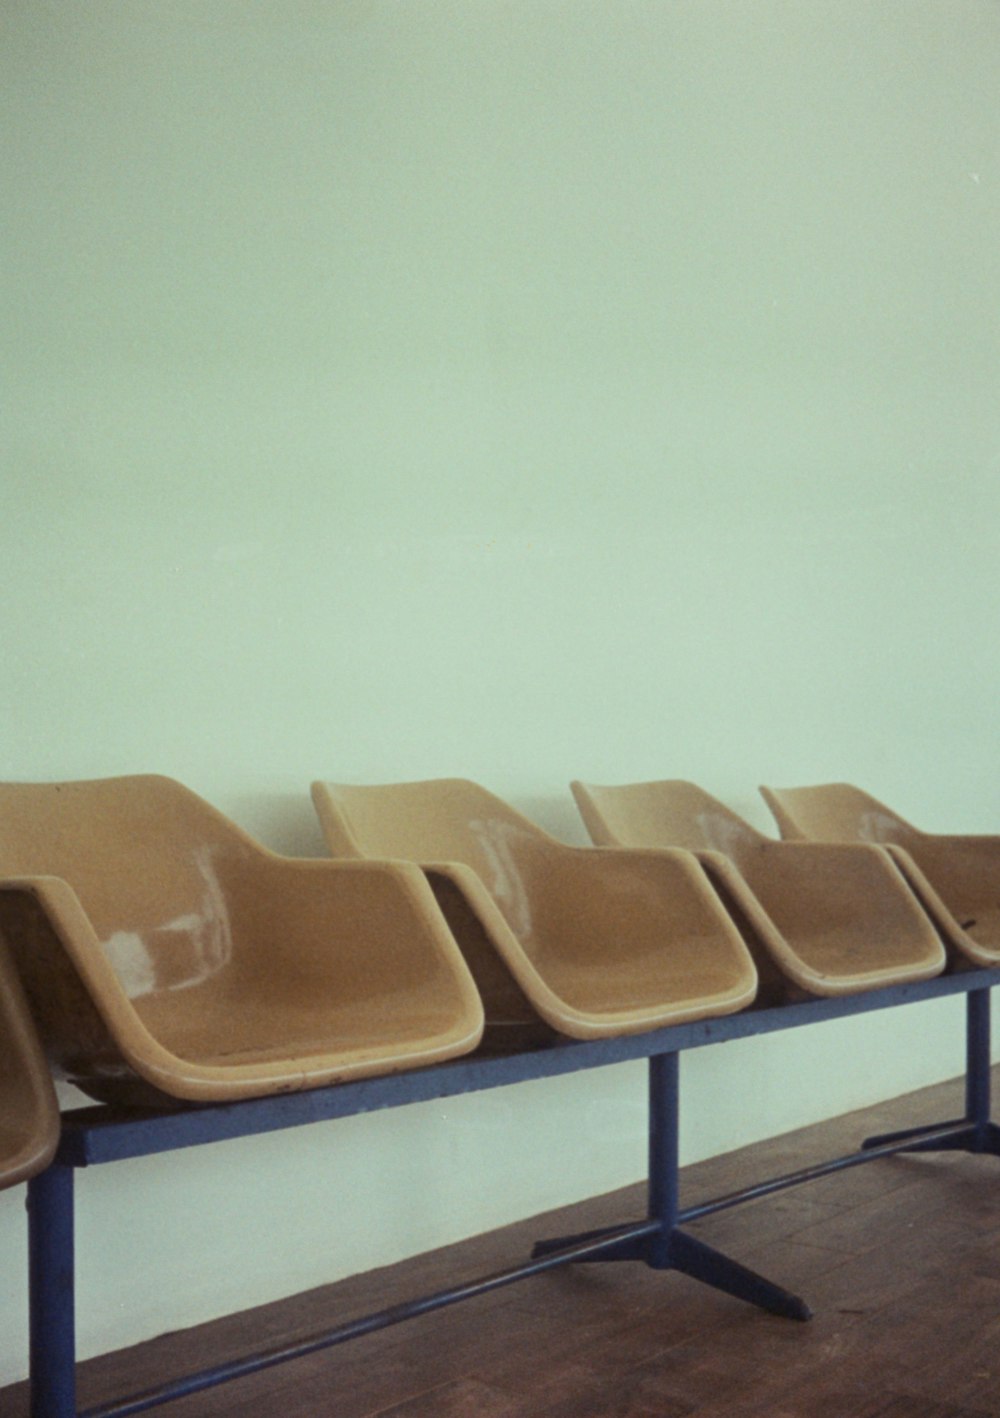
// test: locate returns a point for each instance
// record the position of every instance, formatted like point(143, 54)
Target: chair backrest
point(671, 813)
point(444, 820)
point(148, 860)
point(836, 812)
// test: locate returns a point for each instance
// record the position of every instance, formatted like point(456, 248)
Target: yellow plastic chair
point(29, 1114)
point(955, 878)
point(167, 955)
point(599, 943)
point(829, 920)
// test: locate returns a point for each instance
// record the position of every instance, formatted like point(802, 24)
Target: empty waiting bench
point(102, 1135)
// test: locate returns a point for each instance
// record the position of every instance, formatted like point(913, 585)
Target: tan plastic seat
point(833, 920)
point(598, 943)
point(166, 954)
point(29, 1114)
point(955, 878)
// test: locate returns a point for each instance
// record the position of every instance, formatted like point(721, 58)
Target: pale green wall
point(520, 390)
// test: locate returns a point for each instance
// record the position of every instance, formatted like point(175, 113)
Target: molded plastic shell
point(167, 955)
point(956, 878)
point(830, 920)
point(29, 1114)
point(597, 943)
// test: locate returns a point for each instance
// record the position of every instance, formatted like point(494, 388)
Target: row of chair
point(164, 957)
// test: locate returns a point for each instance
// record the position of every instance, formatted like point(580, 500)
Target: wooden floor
point(900, 1260)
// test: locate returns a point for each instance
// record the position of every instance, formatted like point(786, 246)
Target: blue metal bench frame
point(97, 1135)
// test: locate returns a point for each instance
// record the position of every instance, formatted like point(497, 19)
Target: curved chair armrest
point(780, 968)
point(29, 1112)
point(60, 901)
point(954, 929)
point(501, 936)
point(82, 1009)
point(723, 874)
point(61, 907)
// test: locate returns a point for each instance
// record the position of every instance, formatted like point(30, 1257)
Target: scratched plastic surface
point(956, 878)
point(29, 1116)
point(165, 952)
point(827, 919)
point(600, 943)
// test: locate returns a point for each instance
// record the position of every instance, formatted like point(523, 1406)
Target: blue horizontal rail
point(95, 1135)
point(944, 1133)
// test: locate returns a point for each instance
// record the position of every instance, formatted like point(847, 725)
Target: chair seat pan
point(861, 956)
point(218, 1033)
point(644, 990)
point(984, 928)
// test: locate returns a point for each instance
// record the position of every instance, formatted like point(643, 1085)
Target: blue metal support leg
point(977, 1074)
point(670, 1248)
point(51, 1294)
point(664, 1246)
point(975, 1132)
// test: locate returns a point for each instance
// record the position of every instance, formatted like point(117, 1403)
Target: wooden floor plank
point(460, 1399)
